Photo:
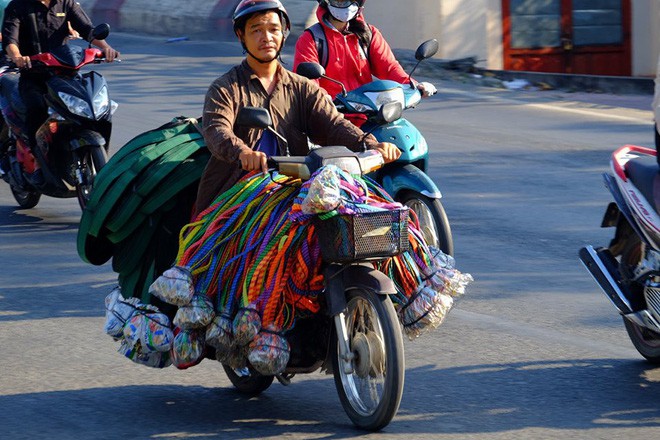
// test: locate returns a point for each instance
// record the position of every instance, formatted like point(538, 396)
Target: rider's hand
point(427, 89)
point(22, 62)
point(253, 160)
point(389, 151)
point(110, 54)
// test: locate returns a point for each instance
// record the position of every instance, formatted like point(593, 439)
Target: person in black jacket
point(52, 21)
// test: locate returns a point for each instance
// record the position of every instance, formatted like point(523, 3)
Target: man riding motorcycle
point(31, 27)
point(298, 107)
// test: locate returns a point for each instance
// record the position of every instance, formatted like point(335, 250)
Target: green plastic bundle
point(140, 201)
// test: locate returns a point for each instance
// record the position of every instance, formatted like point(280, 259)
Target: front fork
point(344, 345)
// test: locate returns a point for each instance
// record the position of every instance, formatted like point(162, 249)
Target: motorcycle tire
point(92, 161)
point(645, 341)
point(371, 394)
point(433, 220)
point(251, 384)
point(26, 199)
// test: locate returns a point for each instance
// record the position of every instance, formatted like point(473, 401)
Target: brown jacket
point(298, 109)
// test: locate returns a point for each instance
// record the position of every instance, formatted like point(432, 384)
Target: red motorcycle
point(72, 143)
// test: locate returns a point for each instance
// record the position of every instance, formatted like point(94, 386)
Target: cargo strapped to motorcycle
point(141, 197)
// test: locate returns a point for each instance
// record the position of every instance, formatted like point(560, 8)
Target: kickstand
point(285, 379)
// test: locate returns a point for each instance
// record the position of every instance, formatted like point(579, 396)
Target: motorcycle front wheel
point(432, 218)
point(371, 393)
point(26, 199)
point(645, 341)
point(90, 162)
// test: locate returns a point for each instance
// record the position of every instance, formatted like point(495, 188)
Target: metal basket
point(364, 236)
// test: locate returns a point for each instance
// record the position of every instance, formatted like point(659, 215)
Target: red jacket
point(346, 62)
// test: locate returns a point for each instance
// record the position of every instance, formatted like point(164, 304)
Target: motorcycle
point(72, 143)
point(628, 270)
point(358, 338)
point(404, 179)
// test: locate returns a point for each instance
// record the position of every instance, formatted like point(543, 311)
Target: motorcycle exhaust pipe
point(603, 268)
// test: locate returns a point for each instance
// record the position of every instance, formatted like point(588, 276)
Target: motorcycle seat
point(644, 174)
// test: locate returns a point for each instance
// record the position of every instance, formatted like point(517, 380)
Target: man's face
point(263, 35)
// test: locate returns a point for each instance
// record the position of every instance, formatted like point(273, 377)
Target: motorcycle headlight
point(385, 96)
point(76, 105)
point(101, 103)
point(113, 107)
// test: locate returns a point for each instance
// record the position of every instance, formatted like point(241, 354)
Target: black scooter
point(72, 143)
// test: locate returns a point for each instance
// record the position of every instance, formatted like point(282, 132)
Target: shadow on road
point(477, 399)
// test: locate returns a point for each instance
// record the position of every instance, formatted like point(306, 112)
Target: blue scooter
point(404, 179)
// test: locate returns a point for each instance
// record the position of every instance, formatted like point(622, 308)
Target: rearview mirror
point(254, 117)
point(101, 31)
point(426, 50)
point(310, 70)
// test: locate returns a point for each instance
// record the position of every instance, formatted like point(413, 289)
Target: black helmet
point(340, 3)
point(248, 7)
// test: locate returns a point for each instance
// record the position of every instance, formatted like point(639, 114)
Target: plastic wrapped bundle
point(269, 353)
point(174, 286)
point(150, 328)
point(154, 359)
point(235, 358)
point(246, 325)
point(442, 275)
point(197, 314)
point(118, 312)
point(425, 311)
point(188, 348)
point(324, 192)
point(219, 336)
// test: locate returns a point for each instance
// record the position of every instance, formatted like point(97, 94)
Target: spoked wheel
point(247, 380)
point(91, 161)
point(433, 220)
point(25, 198)
point(371, 392)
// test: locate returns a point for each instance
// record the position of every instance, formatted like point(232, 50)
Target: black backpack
point(318, 33)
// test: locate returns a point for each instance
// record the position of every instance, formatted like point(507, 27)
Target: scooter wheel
point(26, 199)
point(432, 218)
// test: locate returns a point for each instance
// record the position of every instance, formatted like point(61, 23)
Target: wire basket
point(363, 236)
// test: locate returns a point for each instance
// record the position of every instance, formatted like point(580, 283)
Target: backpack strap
point(321, 42)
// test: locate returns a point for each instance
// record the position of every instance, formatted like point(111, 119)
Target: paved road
point(533, 351)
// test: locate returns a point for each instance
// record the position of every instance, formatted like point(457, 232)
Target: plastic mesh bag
point(197, 314)
point(188, 348)
point(269, 353)
point(174, 286)
point(246, 325)
point(117, 312)
point(155, 359)
point(324, 192)
point(424, 311)
point(219, 334)
point(150, 328)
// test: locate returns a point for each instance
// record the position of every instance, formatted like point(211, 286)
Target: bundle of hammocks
point(250, 265)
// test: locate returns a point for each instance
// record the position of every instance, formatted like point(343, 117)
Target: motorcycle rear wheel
point(433, 220)
point(91, 161)
point(26, 199)
point(371, 394)
point(251, 383)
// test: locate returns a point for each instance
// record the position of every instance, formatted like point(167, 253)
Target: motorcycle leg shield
point(398, 179)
